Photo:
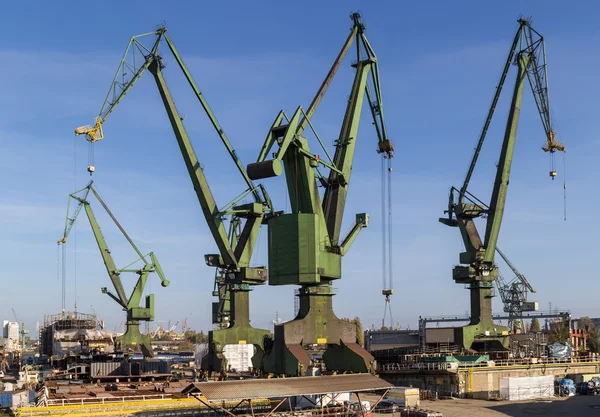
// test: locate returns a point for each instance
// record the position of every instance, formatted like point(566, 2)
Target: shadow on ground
point(578, 406)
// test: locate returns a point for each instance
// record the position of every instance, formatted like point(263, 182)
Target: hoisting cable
point(389, 225)
point(64, 276)
point(565, 185)
point(91, 168)
point(384, 263)
point(386, 236)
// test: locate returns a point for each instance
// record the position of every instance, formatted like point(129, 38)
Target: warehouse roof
point(286, 387)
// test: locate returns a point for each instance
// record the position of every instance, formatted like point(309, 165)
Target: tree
point(535, 326)
point(360, 334)
point(587, 326)
point(593, 340)
point(559, 332)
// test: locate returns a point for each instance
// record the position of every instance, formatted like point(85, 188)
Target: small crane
point(22, 331)
point(131, 304)
point(514, 294)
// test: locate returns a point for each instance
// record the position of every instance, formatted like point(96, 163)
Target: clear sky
point(439, 64)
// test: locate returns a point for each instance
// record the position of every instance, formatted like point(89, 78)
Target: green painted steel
point(234, 257)
point(305, 246)
point(234, 276)
point(478, 268)
point(131, 304)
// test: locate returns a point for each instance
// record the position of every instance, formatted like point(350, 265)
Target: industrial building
point(73, 333)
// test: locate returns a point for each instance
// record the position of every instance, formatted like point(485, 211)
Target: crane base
point(482, 338)
point(136, 340)
point(215, 361)
point(239, 332)
point(317, 329)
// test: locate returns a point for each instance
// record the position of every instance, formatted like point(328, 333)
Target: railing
point(447, 366)
point(106, 400)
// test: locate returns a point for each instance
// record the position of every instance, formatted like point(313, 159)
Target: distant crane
point(100, 321)
point(22, 331)
point(514, 294)
point(131, 304)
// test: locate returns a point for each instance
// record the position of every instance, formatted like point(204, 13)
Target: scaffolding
point(77, 323)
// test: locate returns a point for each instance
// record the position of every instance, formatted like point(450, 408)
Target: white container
point(404, 396)
point(527, 388)
point(239, 357)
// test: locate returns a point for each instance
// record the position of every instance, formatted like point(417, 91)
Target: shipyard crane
point(235, 276)
point(478, 269)
point(131, 304)
point(22, 331)
point(306, 246)
point(514, 294)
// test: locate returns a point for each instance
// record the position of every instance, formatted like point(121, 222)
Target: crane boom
point(334, 200)
point(513, 268)
point(195, 171)
point(152, 61)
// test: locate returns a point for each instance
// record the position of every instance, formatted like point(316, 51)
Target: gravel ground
point(578, 406)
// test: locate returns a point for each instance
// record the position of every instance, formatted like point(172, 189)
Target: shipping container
point(20, 399)
point(6, 399)
point(100, 369)
point(155, 367)
point(530, 306)
point(404, 396)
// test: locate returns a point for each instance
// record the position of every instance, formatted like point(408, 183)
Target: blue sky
point(439, 64)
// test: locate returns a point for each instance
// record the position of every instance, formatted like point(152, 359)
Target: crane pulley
point(131, 304)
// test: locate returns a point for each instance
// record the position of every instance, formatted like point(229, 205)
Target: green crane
point(132, 337)
point(478, 269)
point(306, 246)
point(234, 277)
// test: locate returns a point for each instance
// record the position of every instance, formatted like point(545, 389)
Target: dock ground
point(580, 406)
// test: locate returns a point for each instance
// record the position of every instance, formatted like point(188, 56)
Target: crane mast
point(305, 246)
point(135, 313)
point(478, 269)
point(234, 274)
